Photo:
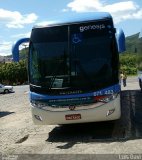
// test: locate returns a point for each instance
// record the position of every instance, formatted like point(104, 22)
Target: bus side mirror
point(15, 48)
point(120, 39)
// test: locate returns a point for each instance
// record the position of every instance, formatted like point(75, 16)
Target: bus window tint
point(77, 56)
point(53, 58)
point(91, 49)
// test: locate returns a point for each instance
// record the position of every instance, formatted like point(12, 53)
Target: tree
point(13, 73)
point(128, 63)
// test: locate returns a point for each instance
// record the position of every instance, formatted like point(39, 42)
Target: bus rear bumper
point(107, 112)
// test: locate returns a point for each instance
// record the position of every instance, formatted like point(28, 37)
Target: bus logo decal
point(92, 27)
point(72, 108)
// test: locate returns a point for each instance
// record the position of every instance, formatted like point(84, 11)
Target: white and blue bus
point(74, 70)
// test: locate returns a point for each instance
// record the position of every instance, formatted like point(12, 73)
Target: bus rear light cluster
point(105, 98)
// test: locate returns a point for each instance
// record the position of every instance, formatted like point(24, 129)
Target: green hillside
point(134, 44)
point(23, 54)
point(131, 60)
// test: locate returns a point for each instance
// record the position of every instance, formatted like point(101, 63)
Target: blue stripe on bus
point(114, 89)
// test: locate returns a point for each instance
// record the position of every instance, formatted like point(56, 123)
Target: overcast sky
point(17, 17)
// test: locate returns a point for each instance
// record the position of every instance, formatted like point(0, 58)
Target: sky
point(17, 17)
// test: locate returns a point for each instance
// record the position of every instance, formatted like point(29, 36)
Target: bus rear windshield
point(79, 56)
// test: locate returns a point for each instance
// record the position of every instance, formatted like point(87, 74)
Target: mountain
point(23, 54)
point(134, 44)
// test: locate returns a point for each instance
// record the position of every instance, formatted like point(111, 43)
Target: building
point(4, 59)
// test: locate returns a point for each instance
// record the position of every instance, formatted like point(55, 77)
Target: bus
point(73, 68)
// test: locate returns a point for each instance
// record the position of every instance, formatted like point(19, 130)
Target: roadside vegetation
point(13, 73)
point(128, 63)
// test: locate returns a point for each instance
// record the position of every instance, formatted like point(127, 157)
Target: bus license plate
point(73, 116)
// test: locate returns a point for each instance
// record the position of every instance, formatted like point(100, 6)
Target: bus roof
point(74, 18)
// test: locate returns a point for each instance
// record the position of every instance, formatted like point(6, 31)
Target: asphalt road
point(18, 134)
